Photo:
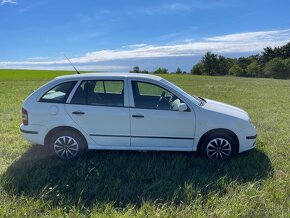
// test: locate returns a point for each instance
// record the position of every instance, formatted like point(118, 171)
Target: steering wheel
point(161, 98)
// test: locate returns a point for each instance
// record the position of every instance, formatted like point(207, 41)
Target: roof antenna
point(72, 64)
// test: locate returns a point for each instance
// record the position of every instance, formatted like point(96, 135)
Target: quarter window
point(100, 93)
point(59, 93)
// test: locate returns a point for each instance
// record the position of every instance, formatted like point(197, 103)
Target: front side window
point(151, 96)
point(100, 93)
point(59, 93)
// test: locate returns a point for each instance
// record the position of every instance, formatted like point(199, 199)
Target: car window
point(114, 87)
point(150, 89)
point(100, 93)
point(99, 87)
point(151, 96)
point(59, 93)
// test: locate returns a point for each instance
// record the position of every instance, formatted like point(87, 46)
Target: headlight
point(250, 120)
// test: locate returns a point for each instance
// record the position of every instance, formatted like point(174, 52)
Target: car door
point(157, 123)
point(98, 107)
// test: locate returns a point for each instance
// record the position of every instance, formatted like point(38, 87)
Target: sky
point(117, 35)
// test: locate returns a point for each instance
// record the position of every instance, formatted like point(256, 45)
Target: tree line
point(271, 62)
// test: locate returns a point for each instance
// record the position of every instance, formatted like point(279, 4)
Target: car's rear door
point(99, 108)
point(159, 127)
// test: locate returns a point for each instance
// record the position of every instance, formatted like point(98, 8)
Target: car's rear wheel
point(67, 144)
point(218, 147)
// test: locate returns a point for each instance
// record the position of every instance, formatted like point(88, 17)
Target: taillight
point(24, 117)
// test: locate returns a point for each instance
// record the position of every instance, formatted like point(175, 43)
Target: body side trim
point(155, 137)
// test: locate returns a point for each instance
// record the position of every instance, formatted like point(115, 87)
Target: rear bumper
point(34, 133)
point(28, 131)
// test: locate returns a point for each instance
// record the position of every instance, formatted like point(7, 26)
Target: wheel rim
point(66, 147)
point(218, 148)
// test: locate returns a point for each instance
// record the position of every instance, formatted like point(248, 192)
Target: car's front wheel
point(218, 147)
point(68, 144)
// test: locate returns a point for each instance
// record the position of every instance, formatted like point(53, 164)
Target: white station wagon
point(131, 112)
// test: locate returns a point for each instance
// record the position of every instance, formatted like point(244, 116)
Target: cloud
point(136, 45)
point(263, 35)
point(38, 58)
point(248, 42)
point(8, 2)
point(233, 43)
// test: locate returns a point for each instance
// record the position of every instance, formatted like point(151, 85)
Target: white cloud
point(250, 42)
point(262, 35)
point(11, 2)
point(136, 45)
point(234, 43)
point(38, 58)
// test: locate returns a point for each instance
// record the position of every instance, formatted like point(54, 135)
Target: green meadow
point(150, 184)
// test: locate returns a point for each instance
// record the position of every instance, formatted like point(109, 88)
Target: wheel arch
point(62, 128)
point(216, 131)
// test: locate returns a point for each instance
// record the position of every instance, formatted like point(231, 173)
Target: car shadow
point(127, 178)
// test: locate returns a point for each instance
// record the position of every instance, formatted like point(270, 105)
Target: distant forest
point(271, 63)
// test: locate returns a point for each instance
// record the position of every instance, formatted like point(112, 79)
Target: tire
point(67, 144)
point(218, 146)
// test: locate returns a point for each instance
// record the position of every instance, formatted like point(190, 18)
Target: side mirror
point(182, 107)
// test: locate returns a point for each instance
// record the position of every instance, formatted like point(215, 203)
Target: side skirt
point(94, 147)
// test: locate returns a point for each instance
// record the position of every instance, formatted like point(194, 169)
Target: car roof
point(109, 75)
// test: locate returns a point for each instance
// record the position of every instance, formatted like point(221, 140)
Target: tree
point(244, 62)
point(285, 51)
point(136, 69)
point(278, 68)
point(210, 63)
point(277, 52)
point(178, 71)
point(268, 54)
point(223, 65)
point(197, 69)
point(236, 70)
point(144, 71)
point(161, 71)
point(253, 69)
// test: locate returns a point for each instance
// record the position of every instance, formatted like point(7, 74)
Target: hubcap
point(218, 148)
point(66, 147)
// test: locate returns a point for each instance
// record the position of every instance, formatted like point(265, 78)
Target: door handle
point(138, 116)
point(78, 112)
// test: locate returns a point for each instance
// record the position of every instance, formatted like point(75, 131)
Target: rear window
point(59, 93)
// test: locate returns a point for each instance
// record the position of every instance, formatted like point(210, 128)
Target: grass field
point(153, 184)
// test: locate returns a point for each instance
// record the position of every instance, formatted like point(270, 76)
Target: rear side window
point(59, 93)
point(100, 93)
point(113, 87)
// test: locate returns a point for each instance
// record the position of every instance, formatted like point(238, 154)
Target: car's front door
point(156, 121)
point(98, 107)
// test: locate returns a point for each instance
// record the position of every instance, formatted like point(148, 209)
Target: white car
point(131, 112)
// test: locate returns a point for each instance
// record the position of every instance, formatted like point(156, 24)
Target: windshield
point(194, 99)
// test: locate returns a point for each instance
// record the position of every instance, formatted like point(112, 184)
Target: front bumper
point(34, 133)
point(247, 138)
